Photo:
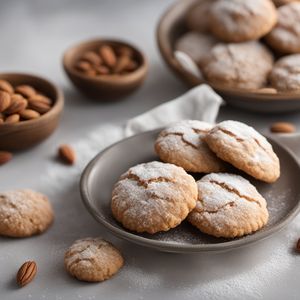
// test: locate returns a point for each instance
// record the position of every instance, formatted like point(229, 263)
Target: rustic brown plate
point(26, 134)
point(172, 26)
point(99, 177)
point(105, 87)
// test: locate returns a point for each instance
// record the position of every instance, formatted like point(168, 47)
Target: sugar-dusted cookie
point(285, 36)
point(228, 206)
point(197, 18)
point(93, 259)
point(24, 213)
point(153, 197)
point(240, 21)
point(243, 65)
point(246, 149)
point(182, 144)
point(285, 75)
point(195, 45)
point(283, 2)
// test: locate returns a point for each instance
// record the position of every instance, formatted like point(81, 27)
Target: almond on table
point(67, 154)
point(283, 127)
point(5, 157)
point(26, 273)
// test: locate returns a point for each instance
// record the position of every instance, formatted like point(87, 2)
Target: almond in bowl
point(30, 109)
point(105, 69)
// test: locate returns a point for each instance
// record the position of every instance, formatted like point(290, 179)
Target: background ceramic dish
point(104, 87)
point(26, 134)
point(103, 171)
point(172, 26)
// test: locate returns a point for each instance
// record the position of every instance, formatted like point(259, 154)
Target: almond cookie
point(93, 260)
point(246, 149)
point(239, 21)
point(285, 36)
point(195, 45)
point(228, 206)
point(285, 75)
point(153, 197)
point(24, 213)
point(182, 144)
point(244, 65)
point(197, 18)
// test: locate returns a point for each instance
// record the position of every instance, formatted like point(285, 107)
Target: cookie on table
point(195, 45)
point(285, 36)
point(283, 2)
point(93, 260)
point(153, 197)
point(239, 21)
point(197, 18)
point(182, 144)
point(243, 65)
point(285, 75)
point(246, 149)
point(24, 213)
point(228, 206)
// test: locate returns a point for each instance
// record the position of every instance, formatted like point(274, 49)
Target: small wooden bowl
point(172, 26)
point(26, 134)
point(104, 87)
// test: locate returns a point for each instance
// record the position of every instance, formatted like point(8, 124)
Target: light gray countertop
point(34, 35)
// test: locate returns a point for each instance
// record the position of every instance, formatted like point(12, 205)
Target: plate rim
point(173, 246)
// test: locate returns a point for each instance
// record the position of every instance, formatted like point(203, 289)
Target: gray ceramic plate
point(104, 170)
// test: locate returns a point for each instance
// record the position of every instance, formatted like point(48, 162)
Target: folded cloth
point(200, 103)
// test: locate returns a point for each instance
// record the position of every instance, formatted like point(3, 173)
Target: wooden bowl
point(172, 26)
point(26, 134)
point(104, 87)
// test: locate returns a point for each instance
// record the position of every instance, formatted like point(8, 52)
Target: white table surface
point(33, 36)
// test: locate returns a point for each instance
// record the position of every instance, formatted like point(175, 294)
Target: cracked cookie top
point(246, 149)
point(93, 259)
point(228, 206)
point(153, 197)
point(285, 36)
point(182, 144)
point(24, 213)
point(239, 20)
point(238, 65)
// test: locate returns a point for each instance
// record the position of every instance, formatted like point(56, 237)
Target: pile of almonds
point(108, 60)
point(21, 103)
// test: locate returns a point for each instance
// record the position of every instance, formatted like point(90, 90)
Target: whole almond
point(25, 90)
point(298, 246)
point(102, 70)
point(125, 51)
point(283, 127)
point(12, 119)
point(39, 106)
point(108, 55)
point(83, 66)
point(18, 103)
point(90, 73)
point(1, 121)
point(131, 66)
point(5, 86)
point(122, 64)
point(67, 154)
point(5, 157)
point(40, 98)
point(5, 101)
point(92, 57)
point(26, 273)
point(29, 114)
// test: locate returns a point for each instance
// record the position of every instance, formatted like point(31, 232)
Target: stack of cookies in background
point(250, 45)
